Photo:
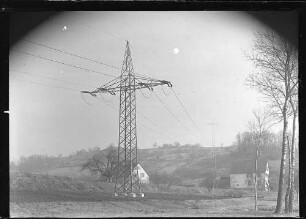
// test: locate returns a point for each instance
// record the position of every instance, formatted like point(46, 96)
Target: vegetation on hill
point(170, 164)
point(103, 163)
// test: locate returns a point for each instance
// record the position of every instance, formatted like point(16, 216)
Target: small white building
point(243, 174)
point(142, 174)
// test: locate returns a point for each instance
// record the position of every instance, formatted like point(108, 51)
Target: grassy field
point(45, 196)
point(90, 204)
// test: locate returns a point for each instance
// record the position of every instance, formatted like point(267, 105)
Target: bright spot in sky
point(64, 28)
point(176, 50)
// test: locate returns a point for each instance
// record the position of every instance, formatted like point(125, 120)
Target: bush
point(209, 183)
point(210, 180)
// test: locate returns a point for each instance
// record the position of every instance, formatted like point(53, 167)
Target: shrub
point(210, 180)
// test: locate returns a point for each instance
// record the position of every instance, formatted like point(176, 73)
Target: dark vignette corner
point(4, 118)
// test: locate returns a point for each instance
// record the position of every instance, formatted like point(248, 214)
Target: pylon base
point(132, 194)
point(140, 194)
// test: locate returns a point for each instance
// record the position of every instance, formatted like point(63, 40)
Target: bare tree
point(258, 127)
point(289, 197)
point(276, 61)
point(103, 163)
point(289, 178)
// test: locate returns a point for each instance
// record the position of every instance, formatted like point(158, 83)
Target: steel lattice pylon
point(127, 146)
point(126, 84)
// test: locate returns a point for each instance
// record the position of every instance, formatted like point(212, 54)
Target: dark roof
point(248, 166)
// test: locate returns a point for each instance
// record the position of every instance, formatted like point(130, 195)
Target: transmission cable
point(101, 97)
point(142, 115)
point(33, 82)
point(90, 104)
point(164, 91)
point(52, 60)
point(81, 57)
point(154, 123)
point(85, 99)
point(145, 95)
point(143, 123)
point(42, 84)
point(161, 133)
point(170, 111)
point(136, 79)
point(71, 54)
point(51, 78)
point(185, 109)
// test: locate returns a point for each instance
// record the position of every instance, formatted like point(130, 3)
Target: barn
point(142, 174)
point(243, 173)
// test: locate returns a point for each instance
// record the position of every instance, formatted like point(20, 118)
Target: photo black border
point(8, 7)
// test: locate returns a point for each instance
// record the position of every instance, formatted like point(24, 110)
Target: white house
point(243, 173)
point(142, 174)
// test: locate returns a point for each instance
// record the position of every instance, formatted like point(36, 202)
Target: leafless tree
point(289, 197)
point(258, 127)
point(276, 62)
point(103, 163)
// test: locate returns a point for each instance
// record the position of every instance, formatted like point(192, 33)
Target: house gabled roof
point(139, 167)
point(248, 166)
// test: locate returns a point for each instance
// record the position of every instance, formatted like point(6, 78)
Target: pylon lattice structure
point(126, 84)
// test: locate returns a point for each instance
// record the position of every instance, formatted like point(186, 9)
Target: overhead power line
point(63, 63)
point(161, 133)
point(170, 111)
point(71, 54)
point(182, 105)
point(147, 118)
point(75, 55)
point(33, 82)
point(69, 89)
point(51, 78)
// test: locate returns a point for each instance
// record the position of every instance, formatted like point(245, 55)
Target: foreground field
point(36, 195)
point(68, 204)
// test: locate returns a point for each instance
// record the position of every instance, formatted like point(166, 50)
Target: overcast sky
point(201, 53)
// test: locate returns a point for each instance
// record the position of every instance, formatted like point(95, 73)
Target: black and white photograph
point(153, 114)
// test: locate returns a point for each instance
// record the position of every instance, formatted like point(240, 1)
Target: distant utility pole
point(212, 125)
point(126, 85)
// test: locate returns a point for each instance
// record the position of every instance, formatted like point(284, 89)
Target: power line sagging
point(180, 102)
point(63, 63)
point(167, 108)
point(71, 54)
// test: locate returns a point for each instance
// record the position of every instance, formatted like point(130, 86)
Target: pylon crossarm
point(116, 85)
point(147, 81)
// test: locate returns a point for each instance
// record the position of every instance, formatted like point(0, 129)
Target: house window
point(142, 174)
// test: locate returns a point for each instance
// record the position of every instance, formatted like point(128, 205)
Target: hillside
point(195, 160)
point(169, 160)
point(47, 184)
point(190, 163)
